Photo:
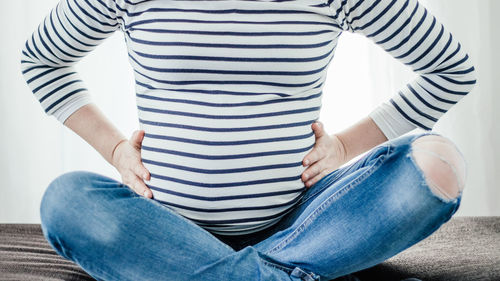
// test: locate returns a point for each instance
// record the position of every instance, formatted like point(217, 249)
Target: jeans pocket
point(380, 155)
point(323, 183)
point(335, 175)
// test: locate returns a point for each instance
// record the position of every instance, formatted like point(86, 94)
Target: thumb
point(318, 129)
point(137, 138)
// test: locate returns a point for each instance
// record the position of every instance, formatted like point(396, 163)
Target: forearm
point(92, 125)
point(360, 137)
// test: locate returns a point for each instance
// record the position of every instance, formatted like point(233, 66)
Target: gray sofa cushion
point(464, 248)
point(26, 255)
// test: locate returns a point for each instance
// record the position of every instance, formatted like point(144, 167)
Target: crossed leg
point(442, 164)
point(375, 212)
point(391, 199)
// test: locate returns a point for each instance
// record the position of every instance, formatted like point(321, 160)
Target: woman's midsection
point(242, 170)
point(215, 171)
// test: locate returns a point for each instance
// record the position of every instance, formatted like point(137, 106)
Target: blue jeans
point(353, 218)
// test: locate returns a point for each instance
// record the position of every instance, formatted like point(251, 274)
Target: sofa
point(464, 248)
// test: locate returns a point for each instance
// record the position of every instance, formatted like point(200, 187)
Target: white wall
point(472, 123)
point(36, 148)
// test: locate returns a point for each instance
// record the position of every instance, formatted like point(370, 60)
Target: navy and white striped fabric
point(227, 90)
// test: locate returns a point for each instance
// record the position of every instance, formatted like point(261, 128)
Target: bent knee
point(58, 195)
point(442, 164)
point(63, 184)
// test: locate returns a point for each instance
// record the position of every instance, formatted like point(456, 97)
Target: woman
point(231, 175)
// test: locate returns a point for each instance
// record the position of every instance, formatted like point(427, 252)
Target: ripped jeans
point(353, 218)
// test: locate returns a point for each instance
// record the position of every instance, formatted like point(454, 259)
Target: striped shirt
point(227, 91)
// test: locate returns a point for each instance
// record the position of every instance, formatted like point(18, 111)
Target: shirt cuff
point(390, 121)
point(71, 106)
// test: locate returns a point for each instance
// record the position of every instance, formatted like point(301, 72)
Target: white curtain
point(36, 148)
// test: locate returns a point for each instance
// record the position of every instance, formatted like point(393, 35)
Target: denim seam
point(326, 184)
point(330, 180)
point(277, 266)
point(305, 199)
point(288, 268)
point(329, 200)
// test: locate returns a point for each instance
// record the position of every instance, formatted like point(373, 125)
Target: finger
point(134, 135)
point(313, 170)
point(318, 129)
point(141, 188)
point(315, 155)
point(318, 177)
point(142, 172)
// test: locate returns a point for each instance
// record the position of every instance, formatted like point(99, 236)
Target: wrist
point(360, 137)
point(344, 155)
point(114, 150)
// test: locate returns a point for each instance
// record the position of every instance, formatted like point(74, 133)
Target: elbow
point(27, 60)
point(461, 76)
point(473, 78)
point(469, 75)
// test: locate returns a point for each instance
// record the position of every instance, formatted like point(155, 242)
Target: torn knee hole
point(442, 164)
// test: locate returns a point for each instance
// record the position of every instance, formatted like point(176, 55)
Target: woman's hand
point(327, 155)
point(127, 160)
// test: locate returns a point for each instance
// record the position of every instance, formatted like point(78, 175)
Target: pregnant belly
point(227, 182)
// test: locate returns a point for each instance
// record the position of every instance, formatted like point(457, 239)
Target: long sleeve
point(413, 36)
point(71, 30)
